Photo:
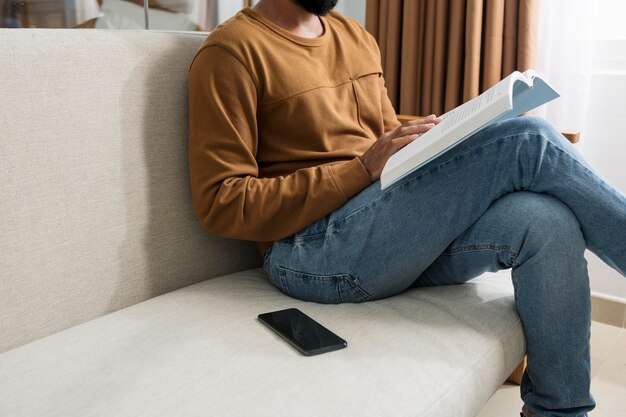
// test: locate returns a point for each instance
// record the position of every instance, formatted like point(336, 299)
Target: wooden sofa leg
point(516, 376)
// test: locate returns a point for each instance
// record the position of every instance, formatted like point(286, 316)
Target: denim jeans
point(515, 195)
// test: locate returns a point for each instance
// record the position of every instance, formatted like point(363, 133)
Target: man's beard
point(318, 7)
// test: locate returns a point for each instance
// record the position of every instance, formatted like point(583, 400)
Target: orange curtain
point(437, 54)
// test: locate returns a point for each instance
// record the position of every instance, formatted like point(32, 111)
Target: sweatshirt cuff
point(350, 176)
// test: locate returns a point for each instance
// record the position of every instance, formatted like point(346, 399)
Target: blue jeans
point(515, 195)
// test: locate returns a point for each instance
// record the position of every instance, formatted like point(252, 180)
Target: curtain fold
point(437, 54)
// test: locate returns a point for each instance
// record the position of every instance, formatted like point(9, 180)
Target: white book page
point(452, 120)
point(531, 91)
point(530, 75)
point(465, 111)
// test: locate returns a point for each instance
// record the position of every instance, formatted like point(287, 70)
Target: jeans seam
point(308, 238)
point(355, 283)
point(317, 277)
point(484, 248)
point(282, 280)
point(476, 248)
point(267, 254)
point(351, 280)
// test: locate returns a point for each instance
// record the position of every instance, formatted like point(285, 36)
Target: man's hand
point(376, 156)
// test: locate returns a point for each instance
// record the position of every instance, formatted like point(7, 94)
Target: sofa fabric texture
point(95, 195)
point(200, 351)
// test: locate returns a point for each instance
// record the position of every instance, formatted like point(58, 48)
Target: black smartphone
point(302, 332)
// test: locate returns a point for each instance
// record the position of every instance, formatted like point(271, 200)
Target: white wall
point(227, 8)
point(604, 137)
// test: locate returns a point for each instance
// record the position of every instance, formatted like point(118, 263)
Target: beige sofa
point(115, 302)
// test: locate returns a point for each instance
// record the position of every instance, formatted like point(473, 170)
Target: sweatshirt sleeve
point(229, 198)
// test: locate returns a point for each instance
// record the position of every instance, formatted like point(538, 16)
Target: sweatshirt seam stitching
point(287, 36)
point(349, 80)
point(336, 184)
point(299, 93)
point(234, 54)
point(203, 46)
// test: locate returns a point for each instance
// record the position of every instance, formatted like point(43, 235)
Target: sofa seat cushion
point(200, 351)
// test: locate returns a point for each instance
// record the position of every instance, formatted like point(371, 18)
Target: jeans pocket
point(325, 289)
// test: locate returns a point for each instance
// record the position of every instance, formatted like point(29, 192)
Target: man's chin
point(317, 7)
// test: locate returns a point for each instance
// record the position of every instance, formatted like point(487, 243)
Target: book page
point(531, 75)
point(458, 115)
point(452, 120)
point(529, 93)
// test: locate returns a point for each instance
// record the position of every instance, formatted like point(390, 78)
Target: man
point(290, 127)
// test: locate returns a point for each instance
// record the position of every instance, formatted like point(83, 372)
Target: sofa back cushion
point(95, 201)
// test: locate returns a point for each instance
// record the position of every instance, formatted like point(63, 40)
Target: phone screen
point(304, 333)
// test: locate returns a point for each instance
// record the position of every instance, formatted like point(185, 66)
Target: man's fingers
point(401, 142)
point(425, 127)
point(428, 119)
point(387, 135)
point(420, 120)
point(413, 129)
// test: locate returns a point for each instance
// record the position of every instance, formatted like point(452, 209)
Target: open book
point(514, 95)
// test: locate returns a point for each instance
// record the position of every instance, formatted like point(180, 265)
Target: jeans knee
point(538, 126)
point(547, 221)
point(557, 224)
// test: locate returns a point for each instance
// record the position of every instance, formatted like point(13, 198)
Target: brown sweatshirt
point(277, 122)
